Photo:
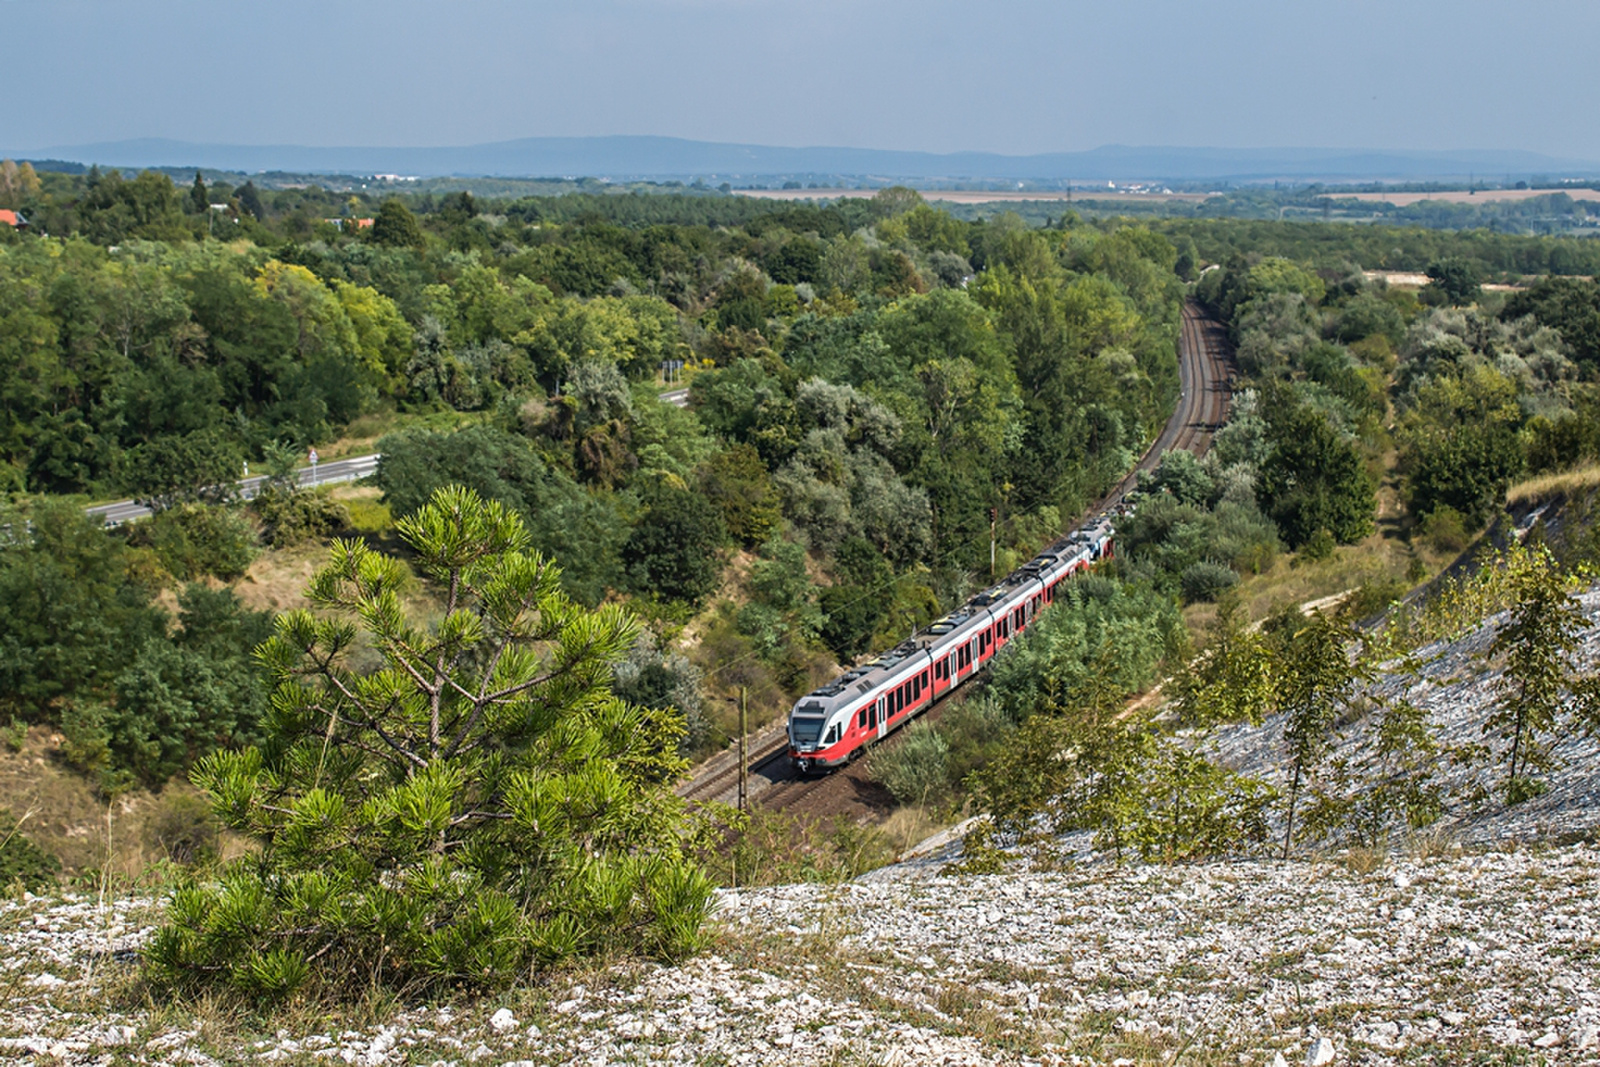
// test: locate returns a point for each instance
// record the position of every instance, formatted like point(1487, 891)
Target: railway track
point(1206, 388)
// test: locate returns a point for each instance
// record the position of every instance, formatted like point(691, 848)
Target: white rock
point(1278, 1060)
point(534, 1032)
point(1320, 1052)
point(1549, 1039)
point(1452, 1018)
point(503, 1021)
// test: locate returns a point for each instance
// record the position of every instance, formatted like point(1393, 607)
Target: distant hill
point(665, 158)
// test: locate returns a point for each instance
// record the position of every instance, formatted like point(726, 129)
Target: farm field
point(973, 196)
point(1459, 196)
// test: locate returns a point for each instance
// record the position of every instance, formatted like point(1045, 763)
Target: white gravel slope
point(1443, 960)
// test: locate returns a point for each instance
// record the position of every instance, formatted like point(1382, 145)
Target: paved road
point(335, 470)
point(677, 398)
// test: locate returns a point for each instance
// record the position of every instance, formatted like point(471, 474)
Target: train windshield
point(805, 729)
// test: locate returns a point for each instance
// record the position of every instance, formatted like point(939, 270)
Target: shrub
point(289, 517)
point(1206, 581)
point(23, 863)
point(441, 806)
point(196, 541)
point(914, 768)
point(1445, 529)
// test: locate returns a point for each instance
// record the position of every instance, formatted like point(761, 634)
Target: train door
point(883, 715)
point(972, 654)
point(950, 668)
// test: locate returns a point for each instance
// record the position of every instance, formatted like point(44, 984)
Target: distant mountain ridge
point(629, 157)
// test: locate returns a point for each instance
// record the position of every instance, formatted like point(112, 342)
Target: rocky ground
point(1458, 690)
point(1459, 957)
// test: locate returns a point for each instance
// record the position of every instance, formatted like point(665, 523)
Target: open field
point(973, 196)
point(1463, 197)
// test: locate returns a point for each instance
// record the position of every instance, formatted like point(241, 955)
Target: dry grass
point(61, 812)
point(361, 436)
point(1294, 581)
point(908, 827)
point(1545, 486)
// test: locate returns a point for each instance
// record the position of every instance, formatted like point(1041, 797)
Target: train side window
point(861, 719)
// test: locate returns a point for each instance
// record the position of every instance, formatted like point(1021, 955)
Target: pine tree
point(199, 199)
point(446, 805)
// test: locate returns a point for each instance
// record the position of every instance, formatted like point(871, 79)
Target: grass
point(1546, 486)
point(361, 436)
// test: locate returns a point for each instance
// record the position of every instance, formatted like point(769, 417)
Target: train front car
point(816, 731)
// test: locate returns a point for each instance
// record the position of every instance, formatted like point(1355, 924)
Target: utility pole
point(744, 748)
point(994, 515)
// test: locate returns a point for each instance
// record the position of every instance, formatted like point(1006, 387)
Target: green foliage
point(199, 466)
point(736, 483)
point(1090, 764)
point(78, 609)
point(195, 541)
point(1453, 280)
point(1459, 444)
point(1091, 618)
point(1395, 788)
point(673, 551)
point(1541, 676)
point(581, 530)
point(471, 803)
point(291, 517)
point(1231, 679)
point(1313, 478)
point(23, 864)
point(855, 606)
point(395, 225)
point(664, 681)
point(178, 700)
point(1314, 681)
point(915, 768)
point(1570, 305)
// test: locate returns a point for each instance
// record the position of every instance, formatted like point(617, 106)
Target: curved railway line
point(1206, 387)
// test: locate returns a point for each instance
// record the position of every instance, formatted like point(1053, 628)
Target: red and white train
point(834, 724)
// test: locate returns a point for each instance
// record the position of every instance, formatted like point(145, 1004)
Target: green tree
point(1314, 681)
point(472, 804)
point(199, 199)
point(250, 201)
point(673, 551)
point(1313, 478)
point(1454, 279)
point(736, 483)
point(1231, 679)
point(202, 466)
point(1460, 444)
point(396, 226)
point(1540, 644)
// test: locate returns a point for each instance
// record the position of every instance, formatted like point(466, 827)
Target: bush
point(195, 541)
point(914, 768)
point(1445, 530)
point(1206, 581)
point(23, 863)
point(289, 517)
point(187, 830)
point(440, 807)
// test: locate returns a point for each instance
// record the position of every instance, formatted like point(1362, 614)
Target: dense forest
point(872, 383)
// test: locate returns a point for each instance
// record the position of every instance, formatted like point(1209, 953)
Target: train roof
point(953, 628)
